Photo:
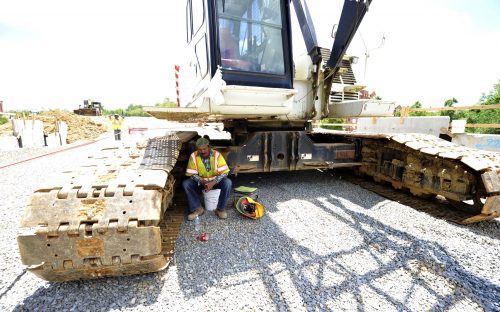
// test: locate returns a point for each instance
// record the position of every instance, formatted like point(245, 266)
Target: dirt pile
point(6, 129)
point(79, 127)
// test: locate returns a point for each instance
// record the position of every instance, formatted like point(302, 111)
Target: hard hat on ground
point(249, 208)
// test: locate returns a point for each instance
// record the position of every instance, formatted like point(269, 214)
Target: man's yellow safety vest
point(217, 165)
point(116, 123)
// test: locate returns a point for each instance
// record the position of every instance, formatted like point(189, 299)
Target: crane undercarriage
point(115, 216)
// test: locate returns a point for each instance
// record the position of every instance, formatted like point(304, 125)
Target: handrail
point(457, 108)
point(482, 125)
point(405, 110)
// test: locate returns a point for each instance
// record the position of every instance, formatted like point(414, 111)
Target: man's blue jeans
point(192, 191)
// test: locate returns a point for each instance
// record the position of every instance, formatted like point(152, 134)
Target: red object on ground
point(202, 237)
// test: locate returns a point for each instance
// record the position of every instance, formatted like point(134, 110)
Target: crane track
point(170, 227)
point(111, 216)
point(435, 207)
point(427, 167)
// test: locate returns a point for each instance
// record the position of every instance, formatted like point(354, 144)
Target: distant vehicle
point(89, 108)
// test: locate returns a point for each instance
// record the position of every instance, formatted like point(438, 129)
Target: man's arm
point(210, 185)
point(220, 177)
point(222, 168)
point(196, 178)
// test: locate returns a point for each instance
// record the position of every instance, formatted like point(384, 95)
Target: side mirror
point(334, 31)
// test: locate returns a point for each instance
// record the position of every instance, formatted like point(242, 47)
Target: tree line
point(473, 116)
point(137, 109)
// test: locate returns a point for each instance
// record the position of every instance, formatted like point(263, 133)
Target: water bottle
point(197, 227)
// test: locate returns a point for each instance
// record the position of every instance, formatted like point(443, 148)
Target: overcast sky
point(54, 53)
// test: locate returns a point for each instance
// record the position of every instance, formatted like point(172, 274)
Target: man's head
point(116, 116)
point(203, 147)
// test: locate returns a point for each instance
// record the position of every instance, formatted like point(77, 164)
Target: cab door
point(195, 74)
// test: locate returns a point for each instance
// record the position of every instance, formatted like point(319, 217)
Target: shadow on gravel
point(428, 256)
point(314, 249)
point(95, 295)
point(358, 262)
point(489, 228)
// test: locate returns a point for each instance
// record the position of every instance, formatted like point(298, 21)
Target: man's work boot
point(197, 212)
point(222, 214)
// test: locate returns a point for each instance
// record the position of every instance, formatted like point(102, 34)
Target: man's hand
point(209, 185)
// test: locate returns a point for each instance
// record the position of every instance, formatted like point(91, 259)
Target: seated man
point(206, 170)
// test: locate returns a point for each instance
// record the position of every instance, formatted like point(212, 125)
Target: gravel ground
point(324, 244)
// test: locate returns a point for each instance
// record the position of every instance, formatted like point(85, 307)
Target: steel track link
point(170, 227)
point(428, 167)
point(433, 206)
point(112, 216)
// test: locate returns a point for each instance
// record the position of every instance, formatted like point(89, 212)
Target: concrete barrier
point(488, 142)
point(428, 124)
point(62, 132)
point(52, 140)
point(458, 126)
point(32, 134)
point(17, 127)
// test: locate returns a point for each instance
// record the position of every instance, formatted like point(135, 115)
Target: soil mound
point(79, 127)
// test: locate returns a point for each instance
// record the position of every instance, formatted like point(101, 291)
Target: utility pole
point(368, 51)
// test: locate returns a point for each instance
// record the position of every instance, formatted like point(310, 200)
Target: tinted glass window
point(198, 14)
point(250, 35)
point(201, 55)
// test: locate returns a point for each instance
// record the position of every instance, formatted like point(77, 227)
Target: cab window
point(250, 35)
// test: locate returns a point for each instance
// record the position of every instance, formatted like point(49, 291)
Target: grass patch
point(3, 120)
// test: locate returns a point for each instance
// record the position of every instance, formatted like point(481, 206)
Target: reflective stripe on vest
point(216, 161)
point(222, 168)
point(215, 169)
point(202, 170)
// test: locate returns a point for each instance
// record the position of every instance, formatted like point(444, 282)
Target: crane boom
point(350, 19)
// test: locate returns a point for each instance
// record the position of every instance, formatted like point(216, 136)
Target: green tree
point(3, 120)
point(417, 104)
point(166, 103)
point(449, 113)
point(486, 116)
point(131, 110)
point(493, 97)
point(325, 121)
point(134, 110)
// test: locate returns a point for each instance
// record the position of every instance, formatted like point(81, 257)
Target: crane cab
point(239, 58)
